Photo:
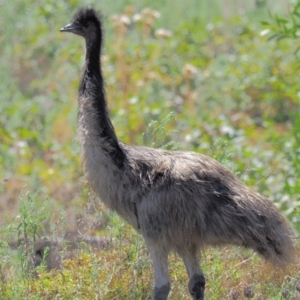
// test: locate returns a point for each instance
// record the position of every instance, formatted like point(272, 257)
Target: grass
point(125, 272)
point(215, 86)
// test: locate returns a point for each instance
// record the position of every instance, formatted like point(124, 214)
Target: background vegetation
point(196, 75)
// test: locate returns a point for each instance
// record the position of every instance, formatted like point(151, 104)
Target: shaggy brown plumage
point(178, 201)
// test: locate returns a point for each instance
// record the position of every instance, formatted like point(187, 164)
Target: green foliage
point(157, 135)
point(30, 219)
point(280, 28)
point(20, 233)
point(283, 27)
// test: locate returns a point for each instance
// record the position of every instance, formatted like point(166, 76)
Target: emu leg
point(196, 276)
point(197, 286)
point(161, 273)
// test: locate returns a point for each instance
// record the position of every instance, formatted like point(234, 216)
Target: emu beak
point(69, 28)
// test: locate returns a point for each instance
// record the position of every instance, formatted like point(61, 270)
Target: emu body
point(179, 201)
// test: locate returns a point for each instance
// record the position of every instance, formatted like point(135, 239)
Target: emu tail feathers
point(267, 231)
point(253, 221)
point(273, 239)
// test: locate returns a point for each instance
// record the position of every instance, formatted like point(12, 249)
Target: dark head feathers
point(87, 23)
point(86, 14)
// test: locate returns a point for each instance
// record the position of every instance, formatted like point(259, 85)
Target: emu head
point(85, 22)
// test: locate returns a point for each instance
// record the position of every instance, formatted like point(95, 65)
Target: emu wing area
point(198, 200)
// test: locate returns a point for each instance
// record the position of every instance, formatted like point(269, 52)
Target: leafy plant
point(157, 135)
point(30, 219)
point(283, 27)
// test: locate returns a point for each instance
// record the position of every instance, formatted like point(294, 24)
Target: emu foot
point(197, 286)
point(161, 293)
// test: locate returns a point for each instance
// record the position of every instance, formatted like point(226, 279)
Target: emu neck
point(92, 81)
point(95, 124)
point(93, 49)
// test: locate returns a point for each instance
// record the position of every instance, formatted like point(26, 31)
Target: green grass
point(216, 86)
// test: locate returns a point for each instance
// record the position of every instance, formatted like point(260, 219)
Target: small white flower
point(163, 33)
point(189, 71)
point(137, 18)
point(264, 32)
point(125, 20)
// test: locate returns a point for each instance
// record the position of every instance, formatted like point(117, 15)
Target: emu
point(179, 201)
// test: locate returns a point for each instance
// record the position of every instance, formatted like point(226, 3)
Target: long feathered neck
point(97, 127)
